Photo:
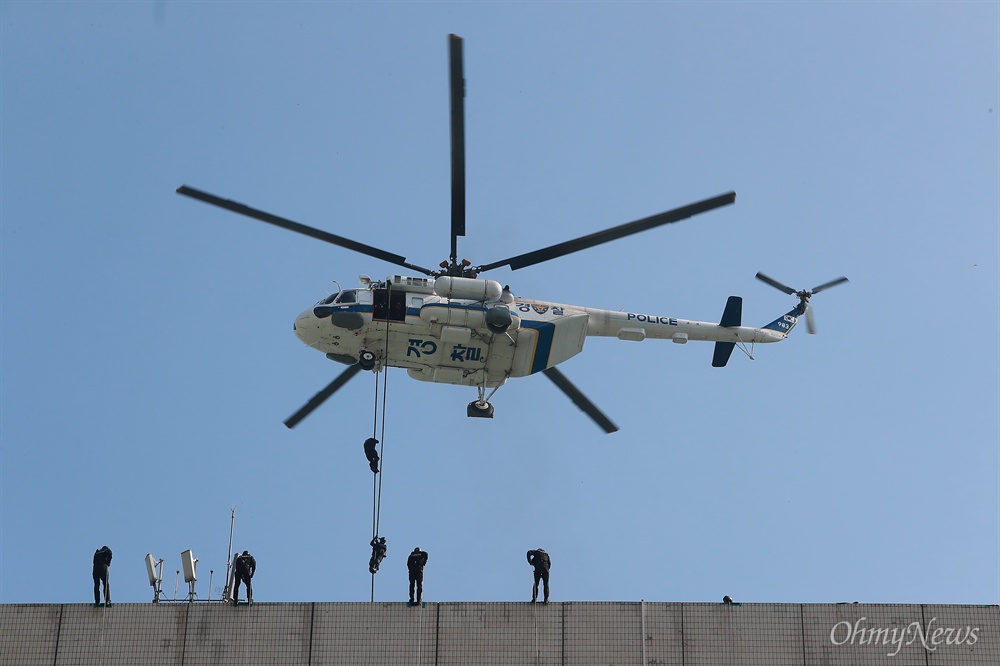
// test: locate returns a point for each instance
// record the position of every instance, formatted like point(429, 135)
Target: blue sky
point(146, 351)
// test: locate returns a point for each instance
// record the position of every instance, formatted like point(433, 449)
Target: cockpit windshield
point(345, 296)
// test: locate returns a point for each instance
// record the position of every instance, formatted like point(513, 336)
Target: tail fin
point(723, 350)
point(731, 316)
point(786, 322)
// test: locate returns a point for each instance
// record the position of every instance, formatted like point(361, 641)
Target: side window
point(349, 296)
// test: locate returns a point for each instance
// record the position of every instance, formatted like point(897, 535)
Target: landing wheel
point(479, 410)
point(366, 360)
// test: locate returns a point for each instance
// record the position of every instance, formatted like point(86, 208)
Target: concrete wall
point(498, 633)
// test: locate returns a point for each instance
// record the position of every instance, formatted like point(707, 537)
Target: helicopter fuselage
point(471, 332)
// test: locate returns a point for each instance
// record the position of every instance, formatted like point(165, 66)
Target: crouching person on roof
point(244, 569)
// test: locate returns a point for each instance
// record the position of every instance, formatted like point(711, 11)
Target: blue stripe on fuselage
point(368, 309)
point(543, 345)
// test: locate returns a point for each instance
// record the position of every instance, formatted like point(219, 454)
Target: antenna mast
point(227, 590)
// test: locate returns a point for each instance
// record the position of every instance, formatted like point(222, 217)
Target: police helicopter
point(450, 326)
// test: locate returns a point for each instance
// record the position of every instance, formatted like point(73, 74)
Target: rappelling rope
point(377, 478)
point(381, 438)
point(381, 454)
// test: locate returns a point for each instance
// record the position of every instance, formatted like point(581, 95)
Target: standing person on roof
point(102, 560)
point(415, 564)
point(244, 569)
point(540, 561)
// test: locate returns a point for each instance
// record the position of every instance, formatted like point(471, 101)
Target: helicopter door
point(389, 304)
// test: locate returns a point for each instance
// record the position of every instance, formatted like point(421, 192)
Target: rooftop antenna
point(188, 562)
point(154, 569)
point(228, 588)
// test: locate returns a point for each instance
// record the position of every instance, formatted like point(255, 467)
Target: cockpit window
point(346, 296)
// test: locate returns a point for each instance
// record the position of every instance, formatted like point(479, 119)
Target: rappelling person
point(541, 563)
point(243, 570)
point(102, 560)
point(415, 565)
point(372, 454)
point(378, 553)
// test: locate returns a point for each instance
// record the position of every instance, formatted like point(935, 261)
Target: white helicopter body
point(473, 332)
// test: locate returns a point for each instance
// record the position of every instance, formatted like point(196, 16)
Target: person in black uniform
point(415, 565)
point(541, 563)
point(102, 560)
point(243, 570)
point(372, 454)
point(378, 553)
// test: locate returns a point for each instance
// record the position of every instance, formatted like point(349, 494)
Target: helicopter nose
point(306, 327)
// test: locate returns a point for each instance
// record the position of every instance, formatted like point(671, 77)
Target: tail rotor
point(803, 295)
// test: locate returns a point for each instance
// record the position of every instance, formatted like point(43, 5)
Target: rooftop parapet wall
point(577, 633)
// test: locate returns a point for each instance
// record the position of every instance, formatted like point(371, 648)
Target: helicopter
point(450, 326)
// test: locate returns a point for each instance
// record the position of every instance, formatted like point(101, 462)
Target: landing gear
point(366, 360)
point(479, 410)
point(482, 409)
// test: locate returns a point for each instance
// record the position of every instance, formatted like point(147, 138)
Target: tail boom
point(637, 327)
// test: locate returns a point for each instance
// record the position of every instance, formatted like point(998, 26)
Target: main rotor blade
point(827, 285)
point(320, 397)
point(580, 400)
point(614, 233)
point(457, 95)
point(774, 283)
point(284, 223)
